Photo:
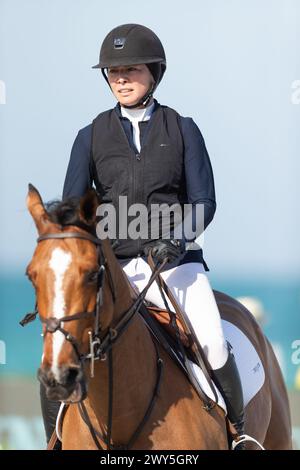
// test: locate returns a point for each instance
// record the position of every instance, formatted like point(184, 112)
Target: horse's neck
point(134, 376)
point(134, 365)
point(115, 280)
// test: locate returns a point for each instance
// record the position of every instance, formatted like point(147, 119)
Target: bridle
point(53, 324)
point(101, 345)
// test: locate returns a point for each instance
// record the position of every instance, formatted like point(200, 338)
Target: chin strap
point(144, 101)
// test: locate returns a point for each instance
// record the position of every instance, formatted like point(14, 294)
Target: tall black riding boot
point(227, 378)
point(50, 411)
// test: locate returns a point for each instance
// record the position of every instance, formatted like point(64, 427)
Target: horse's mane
point(66, 212)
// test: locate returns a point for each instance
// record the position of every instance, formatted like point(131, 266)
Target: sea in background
point(281, 324)
point(21, 348)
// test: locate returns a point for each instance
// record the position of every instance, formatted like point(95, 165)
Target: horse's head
point(65, 275)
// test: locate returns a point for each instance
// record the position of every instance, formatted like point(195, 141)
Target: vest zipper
point(137, 158)
point(137, 185)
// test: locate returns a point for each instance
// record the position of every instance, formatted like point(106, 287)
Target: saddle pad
point(248, 362)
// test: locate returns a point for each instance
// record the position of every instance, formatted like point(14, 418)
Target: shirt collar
point(117, 109)
point(137, 115)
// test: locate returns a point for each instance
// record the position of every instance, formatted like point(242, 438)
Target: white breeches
point(190, 286)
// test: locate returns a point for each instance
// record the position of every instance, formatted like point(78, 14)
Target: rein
point(101, 347)
point(195, 346)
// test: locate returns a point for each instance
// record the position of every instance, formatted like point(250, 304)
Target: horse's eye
point(91, 277)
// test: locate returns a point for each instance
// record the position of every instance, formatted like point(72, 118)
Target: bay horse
point(134, 396)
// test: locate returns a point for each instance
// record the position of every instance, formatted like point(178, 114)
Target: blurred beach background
point(232, 66)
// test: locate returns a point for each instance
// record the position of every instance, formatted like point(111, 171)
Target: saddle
point(163, 318)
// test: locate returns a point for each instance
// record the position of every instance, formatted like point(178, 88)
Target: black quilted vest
point(153, 176)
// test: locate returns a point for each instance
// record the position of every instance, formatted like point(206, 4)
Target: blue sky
point(231, 66)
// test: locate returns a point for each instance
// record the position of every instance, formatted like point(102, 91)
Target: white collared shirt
point(136, 116)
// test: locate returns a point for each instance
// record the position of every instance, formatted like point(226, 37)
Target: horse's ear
point(88, 207)
point(36, 208)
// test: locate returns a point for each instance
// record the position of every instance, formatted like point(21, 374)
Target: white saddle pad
point(248, 362)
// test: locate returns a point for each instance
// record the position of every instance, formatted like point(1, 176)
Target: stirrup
point(241, 441)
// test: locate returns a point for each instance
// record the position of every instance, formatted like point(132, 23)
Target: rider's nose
point(122, 80)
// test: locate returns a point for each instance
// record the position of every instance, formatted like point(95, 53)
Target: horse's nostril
point(66, 377)
point(71, 375)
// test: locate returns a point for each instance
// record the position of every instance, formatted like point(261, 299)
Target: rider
point(152, 155)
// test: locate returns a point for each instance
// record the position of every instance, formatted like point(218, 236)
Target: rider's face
point(129, 83)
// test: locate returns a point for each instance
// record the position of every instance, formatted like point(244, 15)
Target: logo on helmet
point(119, 43)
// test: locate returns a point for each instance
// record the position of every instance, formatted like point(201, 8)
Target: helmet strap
point(144, 101)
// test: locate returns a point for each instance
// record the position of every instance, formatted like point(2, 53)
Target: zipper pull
point(138, 156)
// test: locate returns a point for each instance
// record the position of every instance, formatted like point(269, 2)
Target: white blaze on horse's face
point(59, 262)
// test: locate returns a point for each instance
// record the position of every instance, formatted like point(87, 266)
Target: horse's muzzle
point(67, 385)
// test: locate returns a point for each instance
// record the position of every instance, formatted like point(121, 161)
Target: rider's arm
point(79, 175)
point(199, 176)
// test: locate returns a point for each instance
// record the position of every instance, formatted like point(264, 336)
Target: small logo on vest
point(164, 145)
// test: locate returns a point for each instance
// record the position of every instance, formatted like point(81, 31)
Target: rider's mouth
point(125, 92)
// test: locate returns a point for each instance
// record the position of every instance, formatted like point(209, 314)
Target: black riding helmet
point(133, 44)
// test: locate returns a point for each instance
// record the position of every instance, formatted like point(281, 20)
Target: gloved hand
point(162, 249)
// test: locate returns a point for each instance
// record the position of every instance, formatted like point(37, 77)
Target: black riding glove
point(162, 249)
